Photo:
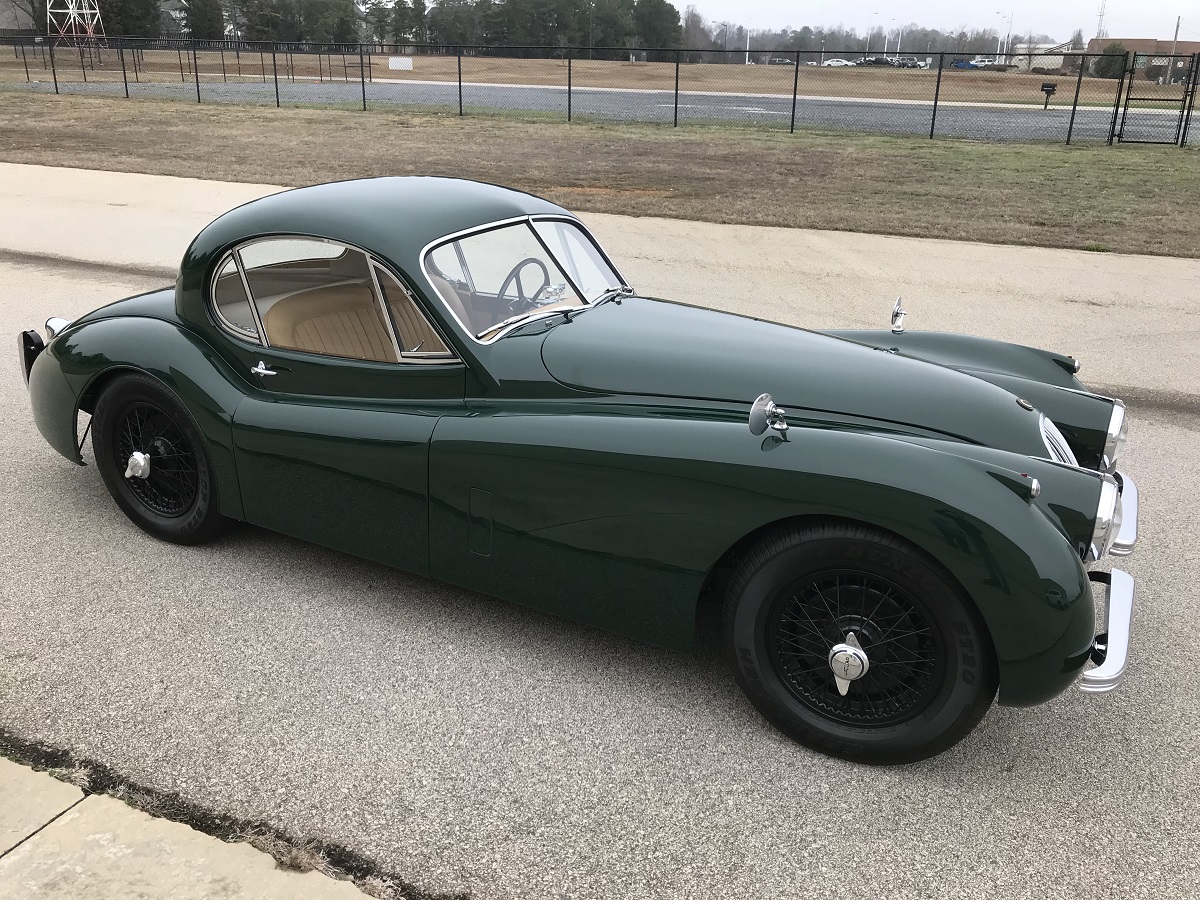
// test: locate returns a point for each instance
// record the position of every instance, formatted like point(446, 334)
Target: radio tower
point(1100, 21)
point(74, 21)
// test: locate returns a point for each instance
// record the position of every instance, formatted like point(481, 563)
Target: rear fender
point(76, 367)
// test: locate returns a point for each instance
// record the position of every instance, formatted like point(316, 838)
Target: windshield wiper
point(612, 294)
point(512, 320)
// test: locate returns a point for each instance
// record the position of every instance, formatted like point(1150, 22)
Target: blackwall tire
point(177, 499)
point(931, 673)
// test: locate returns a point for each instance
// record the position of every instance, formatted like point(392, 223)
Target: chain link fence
point(1063, 97)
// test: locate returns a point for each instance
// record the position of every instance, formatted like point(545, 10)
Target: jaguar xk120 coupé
point(454, 379)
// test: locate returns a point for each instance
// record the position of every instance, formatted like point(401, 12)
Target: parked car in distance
point(780, 61)
point(837, 63)
point(907, 62)
point(963, 64)
point(453, 378)
point(875, 61)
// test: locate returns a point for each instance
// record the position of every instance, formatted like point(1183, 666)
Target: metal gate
point(1156, 99)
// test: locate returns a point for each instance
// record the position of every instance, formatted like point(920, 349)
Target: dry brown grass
point(1125, 199)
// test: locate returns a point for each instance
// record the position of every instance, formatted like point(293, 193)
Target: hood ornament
point(765, 414)
point(898, 314)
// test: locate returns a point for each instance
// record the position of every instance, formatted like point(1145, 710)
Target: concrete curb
point(57, 842)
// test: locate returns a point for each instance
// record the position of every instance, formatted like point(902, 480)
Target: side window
point(417, 337)
point(317, 297)
point(231, 303)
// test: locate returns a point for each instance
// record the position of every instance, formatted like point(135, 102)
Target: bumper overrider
point(1110, 648)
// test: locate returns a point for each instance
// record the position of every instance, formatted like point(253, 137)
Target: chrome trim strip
point(55, 325)
point(1127, 534)
point(1115, 437)
point(1114, 640)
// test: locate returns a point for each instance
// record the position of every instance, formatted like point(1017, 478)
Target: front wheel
point(153, 460)
point(856, 644)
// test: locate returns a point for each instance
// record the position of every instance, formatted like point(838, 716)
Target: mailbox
point(1048, 88)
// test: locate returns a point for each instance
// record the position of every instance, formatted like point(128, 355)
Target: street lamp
point(725, 34)
point(1006, 40)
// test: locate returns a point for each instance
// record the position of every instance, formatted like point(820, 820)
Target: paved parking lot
point(471, 745)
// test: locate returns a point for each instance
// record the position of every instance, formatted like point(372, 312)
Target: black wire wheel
point(167, 480)
point(858, 644)
point(154, 462)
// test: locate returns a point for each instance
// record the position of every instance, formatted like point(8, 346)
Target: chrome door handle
point(261, 369)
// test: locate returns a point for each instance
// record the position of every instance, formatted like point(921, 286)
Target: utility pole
point(1175, 40)
point(747, 46)
point(1100, 21)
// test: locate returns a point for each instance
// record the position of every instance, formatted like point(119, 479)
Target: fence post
point(568, 84)
point(362, 76)
point(1112, 126)
point(53, 68)
point(275, 72)
point(24, 62)
point(1075, 102)
point(675, 123)
point(82, 68)
point(937, 92)
point(179, 52)
point(460, 106)
point(1191, 102)
point(196, 69)
point(124, 76)
point(223, 78)
point(795, 90)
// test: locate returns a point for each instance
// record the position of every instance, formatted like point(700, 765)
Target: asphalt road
point(475, 745)
point(981, 122)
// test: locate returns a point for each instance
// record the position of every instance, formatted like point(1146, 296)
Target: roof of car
point(393, 218)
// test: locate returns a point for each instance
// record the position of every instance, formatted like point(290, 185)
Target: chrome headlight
point(54, 325)
point(1118, 427)
point(1108, 519)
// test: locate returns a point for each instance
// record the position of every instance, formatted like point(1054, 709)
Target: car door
point(349, 378)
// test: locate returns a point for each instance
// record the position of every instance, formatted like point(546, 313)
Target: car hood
point(656, 348)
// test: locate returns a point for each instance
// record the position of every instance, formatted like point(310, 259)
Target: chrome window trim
point(411, 356)
point(235, 253)
point(504, 223)
point(383, 310)
point(223, 323)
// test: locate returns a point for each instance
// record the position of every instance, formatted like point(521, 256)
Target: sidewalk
point(57, 842)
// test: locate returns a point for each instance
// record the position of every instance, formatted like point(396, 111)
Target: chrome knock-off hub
point(139, 465)
point(849, 662)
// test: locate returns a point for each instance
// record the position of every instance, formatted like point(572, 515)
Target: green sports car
point(454, 379)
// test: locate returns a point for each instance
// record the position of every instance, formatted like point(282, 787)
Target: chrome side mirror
point(765, 414)
point(898, 314)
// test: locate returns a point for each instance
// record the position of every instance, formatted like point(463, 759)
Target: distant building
point(1147, 46)
point(1039, 56)
point(1151, 53)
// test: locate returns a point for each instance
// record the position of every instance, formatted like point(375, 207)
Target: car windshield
point(498, 277)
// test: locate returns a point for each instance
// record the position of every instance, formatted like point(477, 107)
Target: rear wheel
point(154, 462)
point(858, 645)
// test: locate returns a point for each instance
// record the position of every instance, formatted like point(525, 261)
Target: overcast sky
point(1123, 18)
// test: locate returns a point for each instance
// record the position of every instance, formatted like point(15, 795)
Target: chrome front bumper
point(1127, 534)
point(1110, 648)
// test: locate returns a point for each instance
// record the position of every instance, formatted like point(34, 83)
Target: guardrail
point(1067, 97)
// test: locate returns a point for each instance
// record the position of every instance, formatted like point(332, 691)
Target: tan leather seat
point(338, 320)
point(414, 332)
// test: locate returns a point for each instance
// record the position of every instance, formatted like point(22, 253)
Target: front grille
point(1056, 443)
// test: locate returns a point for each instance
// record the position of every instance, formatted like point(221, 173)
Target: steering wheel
point(522, 303)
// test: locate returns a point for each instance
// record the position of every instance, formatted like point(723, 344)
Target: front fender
point(1008, 554)
point(72, 371)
